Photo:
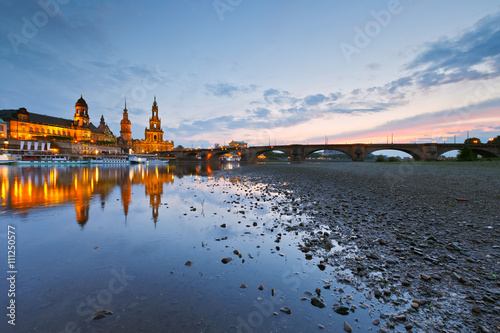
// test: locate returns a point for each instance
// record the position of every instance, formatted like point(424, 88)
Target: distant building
point(3, 128)
point(237, 144)
point(79, 135)
point(109, 138)
point(24, 125)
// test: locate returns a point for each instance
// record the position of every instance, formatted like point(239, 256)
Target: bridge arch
point(406, 153)
point(484, 153)
point(416, 155)
point(308, 152)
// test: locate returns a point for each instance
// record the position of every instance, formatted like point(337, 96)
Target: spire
point(125, 104)
point(102, 120)
point(154, 103)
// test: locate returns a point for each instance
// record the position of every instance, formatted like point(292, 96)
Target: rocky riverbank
point(421, 234)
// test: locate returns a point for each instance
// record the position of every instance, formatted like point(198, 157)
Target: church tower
point(125, 124)
point(154, 134)
point(81, 117)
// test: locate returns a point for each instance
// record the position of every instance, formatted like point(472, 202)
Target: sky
point(260, 71)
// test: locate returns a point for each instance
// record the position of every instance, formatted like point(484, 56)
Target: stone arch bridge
point(357, 152)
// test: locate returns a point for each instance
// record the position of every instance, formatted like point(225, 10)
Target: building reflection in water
point(26, 188)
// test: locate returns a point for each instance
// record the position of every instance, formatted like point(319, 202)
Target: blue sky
point(283, 71)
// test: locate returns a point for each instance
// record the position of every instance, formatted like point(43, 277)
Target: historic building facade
point(24, 125)
point(153, 136)
point(79, 135)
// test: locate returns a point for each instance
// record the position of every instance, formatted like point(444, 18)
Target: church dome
point(81, 102)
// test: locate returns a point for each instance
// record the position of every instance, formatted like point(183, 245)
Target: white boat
point(110, 160)
point(138, 159)
point(48, 159)
point(228, 159)
point(6, 159)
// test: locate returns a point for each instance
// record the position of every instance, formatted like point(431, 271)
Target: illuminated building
point(23, 125)
point(153, 136)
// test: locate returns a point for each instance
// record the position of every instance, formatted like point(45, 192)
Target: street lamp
point(444, 140)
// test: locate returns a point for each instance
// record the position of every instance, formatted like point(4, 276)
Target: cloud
point(434, 124)
point(473, 55)
point(374, 66)
point(315, 99)
point(222, 89)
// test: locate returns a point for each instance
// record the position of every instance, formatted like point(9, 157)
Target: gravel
point(421, 233)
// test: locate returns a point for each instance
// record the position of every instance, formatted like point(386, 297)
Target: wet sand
point(423, 235)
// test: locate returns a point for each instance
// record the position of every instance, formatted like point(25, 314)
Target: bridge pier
point(430, 152)
point(358, 153)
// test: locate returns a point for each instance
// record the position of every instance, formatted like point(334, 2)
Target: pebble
point(342, 310)
point(347, 327)
point(317, 302)
point(286, 310)
point(320, 326)
point(261, 287)
point(476, 309)
point(400, 317)
point(188, 263)
point(243, 286)
point(425, 277)
point(226, 260)
point(101, 314)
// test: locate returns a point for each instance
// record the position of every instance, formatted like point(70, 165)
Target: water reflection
point(26, 188)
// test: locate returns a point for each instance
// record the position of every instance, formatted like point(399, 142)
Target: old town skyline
point(356, 73)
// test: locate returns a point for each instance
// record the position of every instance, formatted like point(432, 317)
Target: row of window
point(57, 132)
point(54, 132)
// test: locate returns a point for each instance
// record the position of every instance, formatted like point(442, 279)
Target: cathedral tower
point(81, 117)
point(154, 133)
point(125, 124)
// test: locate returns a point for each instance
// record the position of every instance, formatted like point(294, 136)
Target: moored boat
point(6, 159)
point(138, 159)
point(110, 160)
point(49, 159)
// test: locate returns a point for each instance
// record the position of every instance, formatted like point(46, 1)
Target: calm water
point(118, 237)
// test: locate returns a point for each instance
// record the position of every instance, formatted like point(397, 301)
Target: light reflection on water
point(136, 227)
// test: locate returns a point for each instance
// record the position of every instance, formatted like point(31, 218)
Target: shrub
point(393, 159)
point(466, 154)
point(380, 158)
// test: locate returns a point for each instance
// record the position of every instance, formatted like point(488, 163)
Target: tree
point(472, 141)
point(495, 141)
point(380, 158)
point(466, 154)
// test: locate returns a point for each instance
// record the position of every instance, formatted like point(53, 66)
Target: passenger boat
point(230, 159)
point(6, 159)
point(138, 159)
point(110, 160)
point(49, 159)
